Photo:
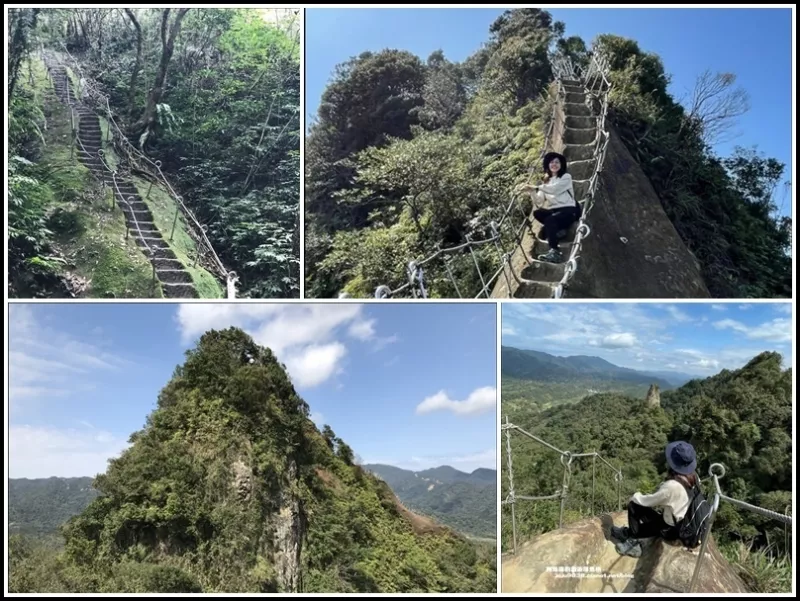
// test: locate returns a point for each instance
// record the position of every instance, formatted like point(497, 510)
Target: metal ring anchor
point(568, 456)
point(720, 468)
point(383, 292)
point(584, 229)
point(571, 268)
point(617, 476)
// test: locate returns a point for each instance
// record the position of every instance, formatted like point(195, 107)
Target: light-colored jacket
point(557, 193)
point(671, 496)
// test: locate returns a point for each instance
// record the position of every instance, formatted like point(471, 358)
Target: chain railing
point(561, 494)
point(102, 105)
point(716, 472)
point(595, 82)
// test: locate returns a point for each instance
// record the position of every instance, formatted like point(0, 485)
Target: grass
point(163, 208)
point(760, 571)
point(87, 228)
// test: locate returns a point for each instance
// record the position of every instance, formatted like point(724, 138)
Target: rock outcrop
point(581, 558)
point(653, 398)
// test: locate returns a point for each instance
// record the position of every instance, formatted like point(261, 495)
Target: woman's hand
point(525, 188)
point(546, 178)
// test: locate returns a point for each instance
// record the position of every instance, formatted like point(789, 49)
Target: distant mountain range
point(465, 502)
point(41, 505)
point(548, 379)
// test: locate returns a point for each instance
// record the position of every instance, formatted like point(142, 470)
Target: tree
point(715, 105)
point(22, 25)
point(137, 65)
point(144, 126)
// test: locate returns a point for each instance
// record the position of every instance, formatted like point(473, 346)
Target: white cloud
point(623, 340)
point(363, 330)
point(308, 338)
point(318, 418)
point(719, 308)
point(677, 314)
point(479, 401)
point(313, 365)
point(785, 308)
point(509, 330)
point(42, 452)
point(776, 330)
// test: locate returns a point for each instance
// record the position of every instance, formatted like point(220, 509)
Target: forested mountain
point(163, 136)
point(409, 154)
point(230, 487)
point(741, 418)
point(41, 505)
point(540, 378)
point(465, 502)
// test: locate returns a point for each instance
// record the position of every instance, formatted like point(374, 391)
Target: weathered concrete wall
point(654, 262)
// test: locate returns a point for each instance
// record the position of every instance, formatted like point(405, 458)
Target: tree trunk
point(19, 45)
point(168, 34)
point(137, 65)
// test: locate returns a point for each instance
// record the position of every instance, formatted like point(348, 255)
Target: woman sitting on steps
point(672, 498)
point(561, 209)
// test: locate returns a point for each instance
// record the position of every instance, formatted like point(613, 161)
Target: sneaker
point(630, 547)
point(552, 256)
point(620, 533)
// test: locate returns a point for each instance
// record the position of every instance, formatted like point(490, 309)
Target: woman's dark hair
point(548, 158)
point(691, 480)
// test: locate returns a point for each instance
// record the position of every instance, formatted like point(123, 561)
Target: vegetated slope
point(408, 155)
point(212, 95)
point(230, 487)
point(42, 505)
point(536, 377)
point(465, 502)
point(740, 418)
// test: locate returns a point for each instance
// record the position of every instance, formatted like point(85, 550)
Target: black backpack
point(695, 523)
point(578, 207)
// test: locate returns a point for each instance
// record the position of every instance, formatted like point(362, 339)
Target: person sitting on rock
point(660, 514)
point(560, 208)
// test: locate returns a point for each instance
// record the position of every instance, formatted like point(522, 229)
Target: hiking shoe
point(620, 533)
point(552, 256)
point(630, 547)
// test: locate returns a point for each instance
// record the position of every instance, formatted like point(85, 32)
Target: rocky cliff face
point(581, 558)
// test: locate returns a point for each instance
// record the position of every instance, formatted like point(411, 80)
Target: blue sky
point(756, 44)
point(699, 339)
point(409, 385)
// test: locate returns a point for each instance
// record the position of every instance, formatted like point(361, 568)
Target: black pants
point(646, 522)
point(555, 220)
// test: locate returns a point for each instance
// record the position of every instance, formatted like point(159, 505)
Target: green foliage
point(200, 500)
point(761, 571)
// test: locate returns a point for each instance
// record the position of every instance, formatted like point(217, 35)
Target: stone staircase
point(176, 282)
point(579, 138)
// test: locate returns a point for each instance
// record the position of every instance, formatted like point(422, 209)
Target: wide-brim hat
point(553, 155)
point(681, 457)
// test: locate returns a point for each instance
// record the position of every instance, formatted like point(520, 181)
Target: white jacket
point(557, 193)
point(671, 496)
